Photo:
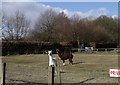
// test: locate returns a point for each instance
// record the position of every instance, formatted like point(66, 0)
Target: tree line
point(58, 27)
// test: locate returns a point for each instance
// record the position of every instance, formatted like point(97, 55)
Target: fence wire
point(86, 68)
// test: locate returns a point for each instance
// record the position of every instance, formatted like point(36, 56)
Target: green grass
point(34, 68)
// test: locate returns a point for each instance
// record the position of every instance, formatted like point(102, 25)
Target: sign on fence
point(114, 72)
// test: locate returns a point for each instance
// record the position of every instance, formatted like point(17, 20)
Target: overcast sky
point(84, 9)
point(60, 0)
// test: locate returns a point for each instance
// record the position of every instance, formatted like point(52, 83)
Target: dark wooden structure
point(103, 45)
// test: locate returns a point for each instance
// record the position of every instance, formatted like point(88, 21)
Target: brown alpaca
point(65, 56)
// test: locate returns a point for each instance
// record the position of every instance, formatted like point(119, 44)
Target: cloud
point(114, 16)
point(102, 11)
point(61, 1)
point(32, 10)
point(93, 12)
point(18, 1)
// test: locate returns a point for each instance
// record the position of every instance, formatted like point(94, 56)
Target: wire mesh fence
point(86, 68)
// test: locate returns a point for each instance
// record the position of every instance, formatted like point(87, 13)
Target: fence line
point(96, 49)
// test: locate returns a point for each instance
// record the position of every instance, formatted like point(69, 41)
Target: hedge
point(30, 47)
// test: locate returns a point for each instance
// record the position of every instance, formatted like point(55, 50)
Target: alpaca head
point(57, 51)
point(50, 52)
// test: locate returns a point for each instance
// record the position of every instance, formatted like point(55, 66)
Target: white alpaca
point(52, 61)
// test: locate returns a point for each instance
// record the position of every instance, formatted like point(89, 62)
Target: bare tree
point(1, 19)
point(15, 27)
point(75, 26)
point(44, 27)
point(110, 25)
point(62, 27)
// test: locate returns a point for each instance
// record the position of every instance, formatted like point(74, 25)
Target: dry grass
point(87, 68)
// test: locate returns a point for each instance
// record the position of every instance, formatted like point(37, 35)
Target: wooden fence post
point(1, 72)
point(58, 73)
point(51, 76)
point(106, 50)
point(4, 70)
point(51, 72)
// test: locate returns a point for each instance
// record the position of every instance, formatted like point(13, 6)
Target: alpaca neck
point(50, 57)
point(60, 54)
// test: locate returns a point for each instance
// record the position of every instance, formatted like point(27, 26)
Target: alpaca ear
point(46, 52)
point(50, 52)
point(57, 50)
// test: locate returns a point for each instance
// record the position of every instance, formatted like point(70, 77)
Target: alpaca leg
point(63, 62)
point(55, 72)
point(70, 61)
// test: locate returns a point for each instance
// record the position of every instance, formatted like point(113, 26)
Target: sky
point(111, 7)
point(33, 9)
point(60, 0)
point(83, 8)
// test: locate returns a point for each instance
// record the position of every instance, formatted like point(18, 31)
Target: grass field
point(87, 68)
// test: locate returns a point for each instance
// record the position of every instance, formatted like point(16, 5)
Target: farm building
point(103, 45)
